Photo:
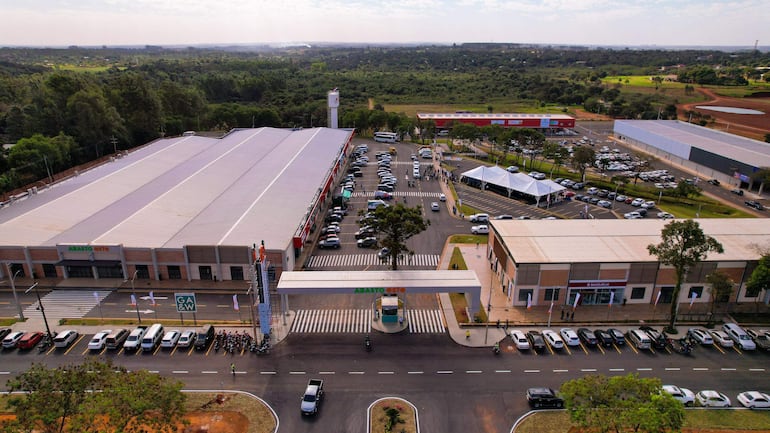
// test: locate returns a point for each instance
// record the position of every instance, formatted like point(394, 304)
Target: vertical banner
point(577, 299)
point(133, 300)
point(657, 298)
point(236, 307)
point(612, 297)
point(529, 301)
point(152, 299)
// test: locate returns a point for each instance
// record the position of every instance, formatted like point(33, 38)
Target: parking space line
point(715, 346)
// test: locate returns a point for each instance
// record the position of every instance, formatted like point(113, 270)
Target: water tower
point(334, 103)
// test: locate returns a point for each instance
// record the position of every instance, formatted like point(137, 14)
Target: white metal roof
point(251, 185)
point(493, 116)
point(620, 241)
point(683, 135)
point(332, 281)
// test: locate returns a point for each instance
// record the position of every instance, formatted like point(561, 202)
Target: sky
point(568, 22)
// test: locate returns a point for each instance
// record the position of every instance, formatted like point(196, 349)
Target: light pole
point(42, 311)
point(13, 289)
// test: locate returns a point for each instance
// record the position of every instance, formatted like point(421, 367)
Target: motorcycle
point(681, 345)
point(496, 349)
point(368, 344)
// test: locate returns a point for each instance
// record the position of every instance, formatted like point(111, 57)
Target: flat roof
point(492, 116)
point(251, 185)
point(620, 241)
point(753, 153)
point(325, 281)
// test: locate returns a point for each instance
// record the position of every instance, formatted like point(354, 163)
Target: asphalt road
point(456, 389)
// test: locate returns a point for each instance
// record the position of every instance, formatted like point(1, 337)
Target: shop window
point(205, 273)
point(49, 270)
point(551, 294)
point(174, 273)
point(638, 292)
point(698, 290)
point(523, 294)
point(236, 273)
point(142, 272)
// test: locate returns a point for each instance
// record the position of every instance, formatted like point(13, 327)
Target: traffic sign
point(185, 302)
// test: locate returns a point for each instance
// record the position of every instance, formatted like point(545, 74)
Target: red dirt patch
point(748, 125)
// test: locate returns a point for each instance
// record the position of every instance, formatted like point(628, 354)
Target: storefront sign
point(596, 284)
point(389, 290)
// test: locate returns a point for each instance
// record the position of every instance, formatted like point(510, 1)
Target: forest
point(61, 108)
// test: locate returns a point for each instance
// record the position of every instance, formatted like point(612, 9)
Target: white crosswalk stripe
point(360, 321)
point(62, 304)
point(423, 261)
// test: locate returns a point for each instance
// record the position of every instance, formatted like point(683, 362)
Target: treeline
point(67, 107)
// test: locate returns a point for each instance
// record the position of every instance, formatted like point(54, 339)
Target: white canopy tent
point(511, 182)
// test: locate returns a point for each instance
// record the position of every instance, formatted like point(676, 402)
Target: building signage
point(389, 290)
point(185, 302)
point(596, 284)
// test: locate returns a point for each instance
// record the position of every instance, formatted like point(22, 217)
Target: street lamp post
point(42, 311)
point(13, 289)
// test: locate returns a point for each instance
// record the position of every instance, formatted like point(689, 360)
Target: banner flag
point(529, 301)
point(657, 298)
point(236, 307)
point(612, 298)
point(577, 298)
point(152, 299)
point(133, 300)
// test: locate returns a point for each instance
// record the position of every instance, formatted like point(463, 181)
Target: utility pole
point(13, 288)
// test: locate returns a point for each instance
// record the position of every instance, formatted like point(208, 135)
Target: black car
point(755, 204)
point(603, 337)
point(369, 242)
point(4, 332)
point(617, 336)
point(714, 182)
point(543, 397)
point(587, 337)
point(657, 338)
point(536, 341)
point(737, 191)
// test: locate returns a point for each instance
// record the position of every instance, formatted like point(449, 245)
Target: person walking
point(232, 368)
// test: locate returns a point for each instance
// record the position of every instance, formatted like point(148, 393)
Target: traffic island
point(393, 415)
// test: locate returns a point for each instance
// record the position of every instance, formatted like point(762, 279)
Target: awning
point(104, 263)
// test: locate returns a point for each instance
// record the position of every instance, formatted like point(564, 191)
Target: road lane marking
point(179, 371)
point(444, 372)
point(325, 372)
point(209, 372)
point(385, 372)
point(617, 369)
point(268, 372)
point(356, 372)
point(756, 369)
point(414, 372)
point(154, 371)
point(531, 371)
point(587, 370)
point(728, 369)
point(644, 369)
point(297, 372)
point(560, 371)
point(672, 369)
point(5, 372)
point(700, 369)
point(473, 371)
point(502, 371)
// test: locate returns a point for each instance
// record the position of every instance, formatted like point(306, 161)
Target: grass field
point(497, 107)
point(640, 82)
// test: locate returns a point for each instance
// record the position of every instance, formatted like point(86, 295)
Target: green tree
point(759, 280)
point(94, 396)
point(683, 245)
point(621, 403)
point(685, 189)
point(582, 158)
point(394, 225)
point(720, 288)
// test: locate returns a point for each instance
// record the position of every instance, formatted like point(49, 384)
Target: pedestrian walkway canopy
point(381, 282)
point(512, 182)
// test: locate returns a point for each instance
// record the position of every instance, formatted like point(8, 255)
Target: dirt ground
point(748, 125)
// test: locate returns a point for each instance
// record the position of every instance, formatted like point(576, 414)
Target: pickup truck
point(312, 398)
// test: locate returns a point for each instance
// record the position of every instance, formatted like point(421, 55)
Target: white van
point(152, 337)
point(639, 339)
point(741, 337)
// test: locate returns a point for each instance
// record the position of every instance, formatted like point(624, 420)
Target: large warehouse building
point(712, 154)
point(547, 122)
point(185, 208)
point(543, 261)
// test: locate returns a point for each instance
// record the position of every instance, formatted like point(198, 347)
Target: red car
point(29, 340)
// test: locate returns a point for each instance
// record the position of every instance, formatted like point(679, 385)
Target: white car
point(569, 336)
point(684, 395)
point(479, 218)
point(665, 215)
point(632, 216)
point(99, 339)
point(754, 399)
point(637, 202)
point(434, 206)
point(701, 336)
point(10, 340)
point(553, 339)
point(480, 229)
point(604, 203)
point(512, 169)
point(64, 338)
point(519, 339)
point(648, 204)
point(170, 338)
point(711, 398)
point(721, 338)
point(442, 197)
point(187, 338)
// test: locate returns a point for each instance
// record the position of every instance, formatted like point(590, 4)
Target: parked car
point(739, 336)
point(543, 398)
point(29, 340)
point(714, 182)
point(657, 338)
point(512, 169)
point(603, 337)
point(684, 395)
point(536, 341)
point(519, 339)
point(186, 338)
point(369, 242)
point(755, 204)
point(569, 336)
point(479, 218)
point(170, 339)
point(737, 191)
point(99, 339)
point(552, 339)
point(665, 215)
point(330, 242)
point(760, 338)
point(754, 400)
point(604, 203)
point(587, 337)
point(632, 215)
point(701, 336)
point(12, 339)
point(504, 217)
point(480, 229)
point(64, 338)
point(721, 338)
point(710, 398)
point(617, 336)
point(637, 202)
point(4, 332)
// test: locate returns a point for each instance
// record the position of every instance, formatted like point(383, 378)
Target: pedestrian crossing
point(66, 304)
point(427, 261)
point(370, 194)
point(360, 321)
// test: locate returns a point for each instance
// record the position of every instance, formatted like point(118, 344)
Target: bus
point(386, 137)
